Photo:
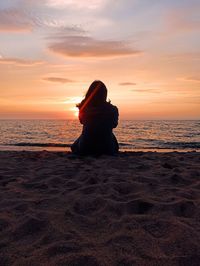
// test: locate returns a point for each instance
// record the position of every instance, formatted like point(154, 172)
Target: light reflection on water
point(131, 135)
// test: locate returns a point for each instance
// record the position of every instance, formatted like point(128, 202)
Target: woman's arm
point(80, 116)
point(115, 116)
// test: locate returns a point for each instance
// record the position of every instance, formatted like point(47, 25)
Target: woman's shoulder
point(112, 107)
point(106, 108)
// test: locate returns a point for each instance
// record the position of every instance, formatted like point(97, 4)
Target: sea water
point(132, 135)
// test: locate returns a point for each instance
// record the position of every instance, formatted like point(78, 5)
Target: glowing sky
point(147, 52)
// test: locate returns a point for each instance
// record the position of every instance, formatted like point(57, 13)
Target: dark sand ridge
point(132, 209)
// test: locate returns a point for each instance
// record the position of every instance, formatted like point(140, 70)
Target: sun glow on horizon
point(75, 111)
point(73, 101)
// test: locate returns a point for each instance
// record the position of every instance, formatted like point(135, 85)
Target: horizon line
point(75, 119)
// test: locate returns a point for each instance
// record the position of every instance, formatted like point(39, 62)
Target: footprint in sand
point(58, 249)
point(159, 229)
point(39, 186)
point(138, 207)
point(88, 190)
point(31, 227)
point(81, 260)
point(88, 206)
point(3, 225)
point(185, 209)
point(123, 188)
point(72, 185)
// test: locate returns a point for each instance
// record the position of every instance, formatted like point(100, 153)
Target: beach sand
point(131, 209)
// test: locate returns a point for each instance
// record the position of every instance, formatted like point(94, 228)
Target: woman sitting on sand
point(98, 117)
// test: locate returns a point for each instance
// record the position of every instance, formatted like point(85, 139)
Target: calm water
point(132, 135)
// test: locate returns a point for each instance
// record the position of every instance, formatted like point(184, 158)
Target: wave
point(124, 144)
point(159, 145)
point(27, 144)
point(181, 144)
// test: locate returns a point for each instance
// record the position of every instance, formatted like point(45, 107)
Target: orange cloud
point(147, 91)
point(127, 83)
point(58, 80)
point(193, 78)
point(20, 62)
point(83, 46)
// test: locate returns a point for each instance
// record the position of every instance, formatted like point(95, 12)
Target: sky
point(147, 52)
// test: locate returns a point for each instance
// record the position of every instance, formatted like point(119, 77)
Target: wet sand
point(136, 208)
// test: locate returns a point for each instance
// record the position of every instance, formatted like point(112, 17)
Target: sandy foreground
point(132, 209)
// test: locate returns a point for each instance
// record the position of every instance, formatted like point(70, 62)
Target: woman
point(98, 117)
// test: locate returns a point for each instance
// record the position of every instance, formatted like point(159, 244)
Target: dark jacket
point(97, 137)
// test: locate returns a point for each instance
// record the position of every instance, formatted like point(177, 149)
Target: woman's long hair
point(95, 96)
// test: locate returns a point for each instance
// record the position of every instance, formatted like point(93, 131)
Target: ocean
point(132, 135)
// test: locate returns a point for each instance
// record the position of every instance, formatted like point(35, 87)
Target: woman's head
point(96, 95)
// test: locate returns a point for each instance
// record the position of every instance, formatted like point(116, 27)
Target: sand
point(131, 209)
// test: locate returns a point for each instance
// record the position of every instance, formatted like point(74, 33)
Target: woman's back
point(105, 114)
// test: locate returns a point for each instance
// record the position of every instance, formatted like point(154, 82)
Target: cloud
point(193, 78)
point(25, 18)
point(83, 46)
point(76, 4)
point(20, 62)
point(15, 20)
point(58, 80)
point(146, 91)
point(127, 84)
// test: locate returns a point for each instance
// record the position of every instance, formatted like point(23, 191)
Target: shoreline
point(7, 148)
point(136, 208)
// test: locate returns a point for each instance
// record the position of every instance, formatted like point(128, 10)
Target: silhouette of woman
point(98, 117)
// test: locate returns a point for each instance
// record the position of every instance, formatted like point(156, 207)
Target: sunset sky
point(147, 52)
